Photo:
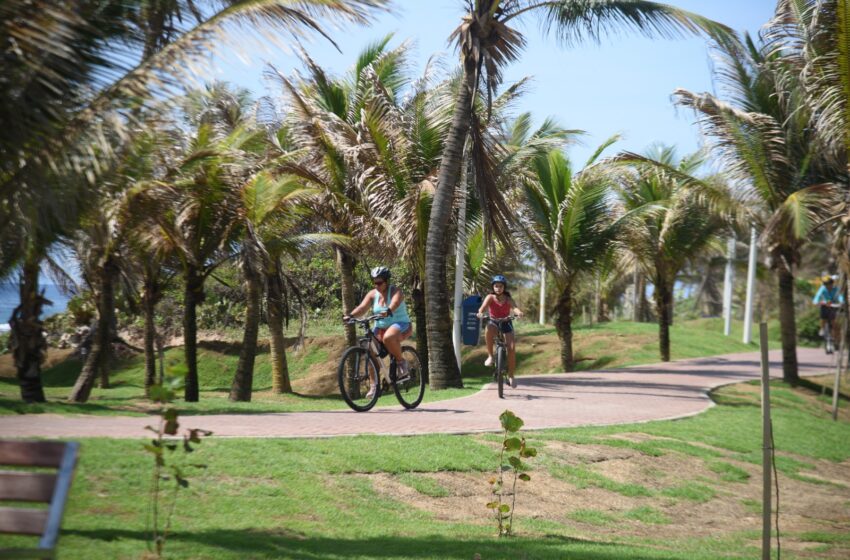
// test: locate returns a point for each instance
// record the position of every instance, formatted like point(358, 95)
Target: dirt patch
point(728, 508)
point(320, 379)
point(54, 356)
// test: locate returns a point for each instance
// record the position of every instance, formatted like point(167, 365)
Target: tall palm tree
point(765, 139)
point(270, 208)
point(327, 121)
point(569, 223)
point(668, 222)
point(487, 43)
point(69, 70)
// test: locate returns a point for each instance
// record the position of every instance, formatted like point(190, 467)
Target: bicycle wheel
point(410, 390)
point(356, 375)
point(501, 365)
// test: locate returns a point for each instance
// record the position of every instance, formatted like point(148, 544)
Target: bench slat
point(32, 453)
point(26, 486)
point(22, 521)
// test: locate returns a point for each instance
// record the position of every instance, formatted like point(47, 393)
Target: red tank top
point(499, 310)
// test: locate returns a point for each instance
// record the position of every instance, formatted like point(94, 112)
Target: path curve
point(617, 396)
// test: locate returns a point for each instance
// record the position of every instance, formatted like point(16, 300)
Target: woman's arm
point(396, 301)
point(484, 305)
point(517, 310)
point(364, 305)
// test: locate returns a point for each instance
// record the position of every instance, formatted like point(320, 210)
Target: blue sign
point(470, 323)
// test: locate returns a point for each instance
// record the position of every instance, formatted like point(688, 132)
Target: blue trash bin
point(470, 323)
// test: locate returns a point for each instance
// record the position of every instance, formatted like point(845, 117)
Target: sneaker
point(513, 382)
point(371, 394)
point(488, 361)
point(820, 332)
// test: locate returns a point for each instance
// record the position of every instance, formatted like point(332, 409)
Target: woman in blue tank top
point(394, 328)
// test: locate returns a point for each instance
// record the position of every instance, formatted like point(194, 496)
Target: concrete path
point(636, 394)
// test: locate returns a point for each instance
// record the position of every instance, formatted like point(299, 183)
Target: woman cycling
point(827, 297)
point(499, 305)
point(395, 327)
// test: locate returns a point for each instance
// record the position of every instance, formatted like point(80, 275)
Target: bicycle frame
point(376, 347)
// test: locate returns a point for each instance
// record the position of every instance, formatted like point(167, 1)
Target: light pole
point(751, 287)
point(727, 286)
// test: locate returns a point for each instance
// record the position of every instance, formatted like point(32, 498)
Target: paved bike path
point(617, 396)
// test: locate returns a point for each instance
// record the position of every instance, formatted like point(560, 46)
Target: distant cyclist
point(827, 297)
point(395, 327)
point(499, 305)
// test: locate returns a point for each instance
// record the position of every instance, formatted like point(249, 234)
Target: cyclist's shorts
point(406, 330)
point(827, 313)
point(507, 327)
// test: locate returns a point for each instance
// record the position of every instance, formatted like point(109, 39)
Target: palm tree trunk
point(150, 297)
point(274, 303)
point(345, 265)
point(787, 325)
point(564, 324)
point(421, 329)
point(98, 357)
point(193, 295)
point(443, 370)
point(664, 308)
point(243, 381)
point(644, 315)
point(26, 341)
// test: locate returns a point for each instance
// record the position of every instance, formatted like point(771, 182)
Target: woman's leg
point(510, 343)
point(392, 340)
point(490, 337)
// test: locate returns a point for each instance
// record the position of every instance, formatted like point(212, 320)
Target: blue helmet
point(499, 279)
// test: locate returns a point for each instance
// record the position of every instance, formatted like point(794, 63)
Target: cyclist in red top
point(499, 305)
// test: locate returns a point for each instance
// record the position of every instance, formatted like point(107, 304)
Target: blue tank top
point(399, 315)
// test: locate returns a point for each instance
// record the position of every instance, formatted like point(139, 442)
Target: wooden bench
point(35, 486)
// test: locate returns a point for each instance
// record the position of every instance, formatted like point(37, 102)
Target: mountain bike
point(501, 354)
point(828, 342)
point(359, 373)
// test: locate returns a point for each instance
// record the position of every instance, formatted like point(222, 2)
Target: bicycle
point(828, 342)
point(501, 354)
point(359, 369)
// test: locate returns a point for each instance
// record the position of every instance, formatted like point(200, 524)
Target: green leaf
point(512, 444)
point(171, 427)
point(524, 477)
point(504, 508)
point(153, 449)
point(515, 462)
point(510, 421)
point(492, 505)
point(528, 452)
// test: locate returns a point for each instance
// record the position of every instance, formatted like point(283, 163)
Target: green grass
point(648, 515)
point(729, 472)
point(318, 498)
point(608, 345)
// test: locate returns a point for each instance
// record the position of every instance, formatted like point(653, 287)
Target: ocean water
point(9, 301)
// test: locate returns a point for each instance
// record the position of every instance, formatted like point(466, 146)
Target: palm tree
point(668, 222)
point(766, 141)
point(63, 85)
point(487, 43)
point(569, 224)
point(269, 210)
point(327, 121)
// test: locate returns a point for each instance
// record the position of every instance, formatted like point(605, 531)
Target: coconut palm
point(568, 221)
point(328, 120)
point(668, 222)
point(69, 70)
point(764, 138)
point(271, 208)
point(487, 43)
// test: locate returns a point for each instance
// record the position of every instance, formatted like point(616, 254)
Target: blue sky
point(622, 85)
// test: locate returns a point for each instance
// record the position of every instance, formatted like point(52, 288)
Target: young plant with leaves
point(512, 452)
point(169, 474)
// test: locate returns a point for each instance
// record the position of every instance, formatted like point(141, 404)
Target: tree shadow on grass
point(282, 543)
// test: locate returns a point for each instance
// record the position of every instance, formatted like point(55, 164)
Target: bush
point(808, 325)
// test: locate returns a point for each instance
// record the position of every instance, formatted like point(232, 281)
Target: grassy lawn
point(675, 489)
point(313, 369)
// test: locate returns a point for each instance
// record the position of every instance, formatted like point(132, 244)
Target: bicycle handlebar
point(502, 319)
point(366, 321)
